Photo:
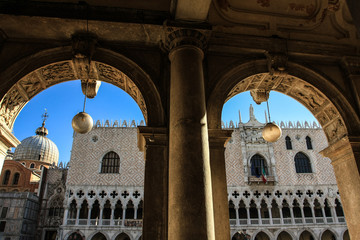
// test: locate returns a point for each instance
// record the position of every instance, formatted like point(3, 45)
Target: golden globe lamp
point(82, 123)
point(271, 132)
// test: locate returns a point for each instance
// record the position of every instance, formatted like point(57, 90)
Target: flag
point(263, 175)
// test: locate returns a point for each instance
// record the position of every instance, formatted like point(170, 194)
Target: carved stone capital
point(152, 136)
point(176, 37)
point(277, 63)
point(259, 95)
point(351, 65)
point(83, 45)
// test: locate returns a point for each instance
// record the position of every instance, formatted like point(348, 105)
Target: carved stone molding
point(175, 37)
point(35, 82)
point(317, 103)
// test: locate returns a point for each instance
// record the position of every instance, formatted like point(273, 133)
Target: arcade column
point(190, 212)
point(345, 157)
point(154, 143)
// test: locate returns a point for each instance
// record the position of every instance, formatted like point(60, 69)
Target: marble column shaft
point(191, 214)
point(154, 142)
point(217, 140)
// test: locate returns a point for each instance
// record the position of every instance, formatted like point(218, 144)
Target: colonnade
point(104, 213)
point(306, 212)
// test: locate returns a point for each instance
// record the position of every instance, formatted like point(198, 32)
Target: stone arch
point(31, 75)
point(122, 236)
point(307, 234)
point(327, 233)
point(77, 232)
point(262, 234)
point(305, 85)
point(285, 232)
point(345, 235)
point(99, 235)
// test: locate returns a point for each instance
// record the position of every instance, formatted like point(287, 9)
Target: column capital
point(343, 150)
point(152, 136)
point(175, 37)
point(218, 138)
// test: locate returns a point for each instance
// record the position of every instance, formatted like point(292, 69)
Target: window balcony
point(256, 180)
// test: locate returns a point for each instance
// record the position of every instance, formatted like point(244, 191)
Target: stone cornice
point(218, 138)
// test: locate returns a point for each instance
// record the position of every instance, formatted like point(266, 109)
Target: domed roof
point(38, 147)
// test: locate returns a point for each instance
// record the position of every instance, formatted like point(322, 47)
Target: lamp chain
point(267, 103)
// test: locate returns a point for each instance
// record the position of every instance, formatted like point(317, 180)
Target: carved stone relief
point(33, 83)
point(317, 103)
point(58, 72)
point(283, 15)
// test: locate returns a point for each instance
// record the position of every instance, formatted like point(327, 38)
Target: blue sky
point(65, 100)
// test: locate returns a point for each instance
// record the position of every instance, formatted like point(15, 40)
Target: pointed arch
point(288, 143)
point(308, 143)
point(307, 235)
point(98, 235)
point(258, 164)
point(122, 236)
point(327, 234)
point(284, 235)
point(261, 235)
point(75, 235)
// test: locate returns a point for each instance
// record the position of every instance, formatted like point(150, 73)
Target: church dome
point(38, 148)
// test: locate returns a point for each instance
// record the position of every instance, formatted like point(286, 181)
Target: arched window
point(258, 165)
point(288, 143)
point(308, 143)
point(6, 177)
point(16, 178)
point(110, 163)
point(32, 165)
point(302, 163)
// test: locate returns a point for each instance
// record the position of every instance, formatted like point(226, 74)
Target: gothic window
point(129, 212)
point(84, 210)
point(140, 210)
point(232, 211)
point(339, 209)
point(6, 177)
point(56, 207)
point(302, 163)
point(288, 143)
point(258, 164)
point(16, 178)
point(72, 210)
point(110, 163)
point(308, 143)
